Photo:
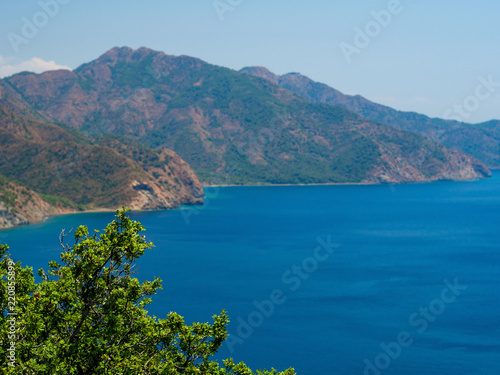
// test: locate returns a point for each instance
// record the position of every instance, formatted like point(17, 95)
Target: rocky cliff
point(20, 206)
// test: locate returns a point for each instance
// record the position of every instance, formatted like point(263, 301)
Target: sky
point(440, 58)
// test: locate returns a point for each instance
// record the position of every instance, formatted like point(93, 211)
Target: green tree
point(87, 314)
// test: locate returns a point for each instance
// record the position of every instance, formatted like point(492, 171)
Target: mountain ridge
point(229, 126)
point(481, 140)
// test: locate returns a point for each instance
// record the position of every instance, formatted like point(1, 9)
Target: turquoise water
point(383, 280)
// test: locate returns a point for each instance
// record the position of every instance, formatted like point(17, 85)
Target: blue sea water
point(265, 254)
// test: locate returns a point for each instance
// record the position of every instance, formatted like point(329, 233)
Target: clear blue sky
point(428, 57)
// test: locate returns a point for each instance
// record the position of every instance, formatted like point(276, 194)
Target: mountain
point(232, 128)
point(46, 169)
point(19, 205)
point(481, 141)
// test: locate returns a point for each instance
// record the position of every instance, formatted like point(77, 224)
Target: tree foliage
point(86, 314)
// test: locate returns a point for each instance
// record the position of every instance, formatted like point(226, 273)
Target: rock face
point(8, 219)
point(481, 141)
point(174, 186)
point(458, 167)
point(21, 206)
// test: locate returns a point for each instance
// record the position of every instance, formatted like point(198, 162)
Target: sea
point(389, 279)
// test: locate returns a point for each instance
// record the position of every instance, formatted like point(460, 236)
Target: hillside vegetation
point(71, 172)
point(481, 141)
point(234, 128)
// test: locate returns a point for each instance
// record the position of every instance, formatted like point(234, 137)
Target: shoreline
point(90, 211)
point(314, 184)
point(352, 183)
point(93, 211)
point(107, 210)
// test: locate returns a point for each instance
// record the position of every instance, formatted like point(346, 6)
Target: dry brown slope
point(64, 172)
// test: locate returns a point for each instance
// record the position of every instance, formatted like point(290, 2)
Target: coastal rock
point(8, 219)
point(21, 206)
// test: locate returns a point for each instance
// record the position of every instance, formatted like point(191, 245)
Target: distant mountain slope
point(481, 141)
point(70, 172)
point(234, 128)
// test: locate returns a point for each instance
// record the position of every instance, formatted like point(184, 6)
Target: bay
point(397, 250)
